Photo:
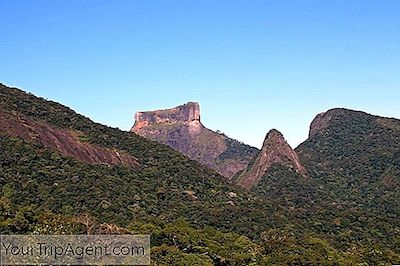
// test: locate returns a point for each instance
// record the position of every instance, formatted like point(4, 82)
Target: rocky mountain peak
point(185, 113)
point(181, 129)
point(275, 150)
point(274, 134)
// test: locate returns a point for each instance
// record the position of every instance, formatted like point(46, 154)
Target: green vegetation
point(357, 161)
point(237, 150)
point(346, 212)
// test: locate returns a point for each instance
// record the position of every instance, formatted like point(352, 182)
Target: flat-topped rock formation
point(180, 128)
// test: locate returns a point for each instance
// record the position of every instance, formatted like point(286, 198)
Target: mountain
point(112, 174)
point(349, 182)
point(352, 145)
point(357, 154)
point(181, 129)
point(60, 174)
point(275, 150)
point(354, 158)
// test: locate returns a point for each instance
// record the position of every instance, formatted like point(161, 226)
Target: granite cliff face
point(63, 141)
point(188, 114)
point(275, 150)
point(181, 129)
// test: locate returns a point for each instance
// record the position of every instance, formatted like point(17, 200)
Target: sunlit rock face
point(66, 142)
point(180, 128)
point(185, 114)
point(275, 150)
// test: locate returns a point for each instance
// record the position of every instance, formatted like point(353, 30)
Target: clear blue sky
point(252, 65)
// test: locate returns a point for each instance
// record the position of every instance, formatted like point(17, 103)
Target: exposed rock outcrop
point(62, 141)
point(275, 150)
point(322, 120)
point(181, 129)
point(187, 114)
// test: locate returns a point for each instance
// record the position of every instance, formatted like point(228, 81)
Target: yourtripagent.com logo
point(75, 249)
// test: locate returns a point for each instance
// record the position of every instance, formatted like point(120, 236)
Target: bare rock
point(275, 150)
point(180, 128)
point(63, 141)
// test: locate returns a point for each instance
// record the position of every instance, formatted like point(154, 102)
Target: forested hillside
point(194, 216)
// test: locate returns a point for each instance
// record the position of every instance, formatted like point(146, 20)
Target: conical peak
point(275, 150)
point(274, 134)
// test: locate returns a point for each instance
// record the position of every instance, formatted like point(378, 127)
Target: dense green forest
point(345, 212)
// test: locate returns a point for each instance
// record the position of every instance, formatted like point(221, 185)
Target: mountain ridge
point(344, 213)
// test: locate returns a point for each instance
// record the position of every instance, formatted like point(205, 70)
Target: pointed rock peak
point(275, 150)
point(274, 139)
point(185, 113)
point(274, 134)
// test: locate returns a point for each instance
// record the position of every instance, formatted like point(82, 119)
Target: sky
point(251, 65)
